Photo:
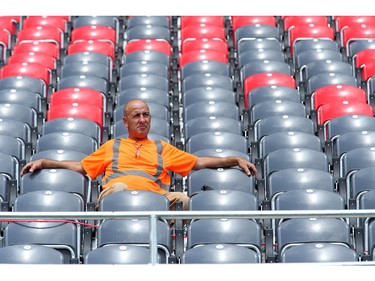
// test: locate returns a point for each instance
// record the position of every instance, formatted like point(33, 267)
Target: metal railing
point(155, 215)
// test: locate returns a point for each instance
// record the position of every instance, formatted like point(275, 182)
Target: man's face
point(138, 120)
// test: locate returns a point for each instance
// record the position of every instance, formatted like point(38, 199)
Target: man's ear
point(125, 121)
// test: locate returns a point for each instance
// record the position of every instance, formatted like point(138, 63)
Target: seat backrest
point(229, 199)
point(356, 159)
point(134, 200)
point(56, 179)
point(148, 94)
point(24, 97)
point(61, 235)
point(260, 55)
point(298, 178)
point(148, 32)
point(352, 140)
point(83, 81)
point(16, 129)
point(360, 181)
point(242, 232)
point(47, 200)
point(205, 80)
point(13, 146)
point(134, 231)
point(334, 93)
point(259, 66)
point(211, 108)
point(208, 94)
point(310, 55)
point(348, 123)
point(331, 110)
point(294, 158)
point(281, 123)
point(273, 92)
point(318, 252)
point(148, 44)
point(327, 66)
point(258, 43)
point(147, 67)
point(314, 44)
point(323, 79)
point(220, 179)
point(119, 254)
point(66, 141)
point(217, 140)
point(24, 83)
point(218, 254)
point(310, 230)
point(218, 152)
point(86, 68)
point(309, 199)
point(256, 31)
point(73, 124)
point(59, 154)
point(143, 80)
point(212, 124)
point(30, 254)
point(280, 140)
point(276, 107)
point(146, 55)
point(205, 66)
point(20, 113)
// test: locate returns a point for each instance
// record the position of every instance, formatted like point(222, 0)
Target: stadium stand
point(293, 94)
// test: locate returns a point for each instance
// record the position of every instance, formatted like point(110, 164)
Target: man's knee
point(116, 187)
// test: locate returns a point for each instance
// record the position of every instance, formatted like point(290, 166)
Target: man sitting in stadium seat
point(137, 163)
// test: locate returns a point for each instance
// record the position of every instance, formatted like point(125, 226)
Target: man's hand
point(248, 167)
point(32, 166)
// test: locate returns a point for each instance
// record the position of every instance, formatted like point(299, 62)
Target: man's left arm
point(224, 162)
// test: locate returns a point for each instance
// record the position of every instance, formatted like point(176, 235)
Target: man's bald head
point(134, 104)
point(137, 119)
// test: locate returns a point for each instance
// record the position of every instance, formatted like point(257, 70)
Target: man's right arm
point(51, 164)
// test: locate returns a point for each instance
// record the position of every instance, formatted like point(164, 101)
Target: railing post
point(153, 239)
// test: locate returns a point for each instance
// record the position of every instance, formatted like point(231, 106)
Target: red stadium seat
point(94, 32)
point(367, 71)
point(346, 21)
point(33, 57)
point(26, 69)
point(266, 79)
point(336, 93)
point(103, 47)
point(363, 57)
point(5, 43)
point(356, 32)
point(148, 44)
point(38, 47)
point(294, 21)
point(202, 31)
point(208, 20)
point(79, 95)
point(238, 21)
point(8, 24)
point(42, 33)
point(78, 110)
point(204, 44)
point(5, 38)
point(332, 110)
point(60, 22)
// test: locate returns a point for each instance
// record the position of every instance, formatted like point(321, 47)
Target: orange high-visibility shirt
point(137, 164)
